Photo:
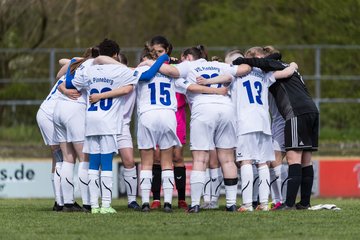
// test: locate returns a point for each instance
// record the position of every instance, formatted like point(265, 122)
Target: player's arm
point(150, 73)
point(65, 63)
point(165, 69)
point(195, 88)
point(242, 70)
point(264, 64)
point(225, 78)
point(287, 72)
point(100, 60)
point(95, 97)
point(70, 93)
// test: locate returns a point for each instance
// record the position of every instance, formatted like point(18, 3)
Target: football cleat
point(54, 207)
point(86, 208)
point(205, 205)
point(194, 209)
point(167, 208)
point(299, 206)
point(214, 205)
point(145, 207)
point(155, 204)
point(232, 208)
point(108, 210)
point(284, 207)
point(262, 207)
point(95, 210)
point(134, 205)
point(182, 204)
point(278, 204)
point(245, 208)
point(71, 208)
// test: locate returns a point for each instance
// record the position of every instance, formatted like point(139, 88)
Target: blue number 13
point(258, 87)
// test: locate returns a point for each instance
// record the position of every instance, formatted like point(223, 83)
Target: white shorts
point(157, 128)
point(124, 140)
point(46, 126)
point(100, 144)
point(212, 125)
point(255, 146)
point(69, 121)
point(278, 138)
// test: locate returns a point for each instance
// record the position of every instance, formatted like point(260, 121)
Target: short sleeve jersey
point(191, 70)
point(158, 93)
point(48, 105)
point(250, 97)
point(104, 117)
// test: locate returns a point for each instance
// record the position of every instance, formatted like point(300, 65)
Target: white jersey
point(128, 106)
point(250, 97)
point(158, 93)
point(79, 74)
point(104, 117)
point(190, 70)
point(48, 105)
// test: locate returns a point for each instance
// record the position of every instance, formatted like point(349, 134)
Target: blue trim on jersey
point(70, 76)
point(149, 74)
point(94, 161)
point(106, 161)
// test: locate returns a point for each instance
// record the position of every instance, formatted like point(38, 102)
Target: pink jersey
point(181, 117)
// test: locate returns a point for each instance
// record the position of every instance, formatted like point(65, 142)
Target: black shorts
point(302, 132)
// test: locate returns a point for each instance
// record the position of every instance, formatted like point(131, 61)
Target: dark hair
point(123, 59)
point(163, 42)
point(108, 48)
point(197, 52)
point(147, 53)
point(91, 52)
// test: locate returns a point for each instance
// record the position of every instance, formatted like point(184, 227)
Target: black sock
point(306, 185)
point(156, 181)
point(293, 184)
point(180, 181)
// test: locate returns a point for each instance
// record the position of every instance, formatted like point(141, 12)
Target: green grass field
point(33, 219)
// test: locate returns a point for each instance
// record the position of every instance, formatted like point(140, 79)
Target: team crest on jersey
point(135, 73)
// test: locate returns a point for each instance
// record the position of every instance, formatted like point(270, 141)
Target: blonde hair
point(216, 58)
point(254, 52)
point(232, 55)
point(270, 50)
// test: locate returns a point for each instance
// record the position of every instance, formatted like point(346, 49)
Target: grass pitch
point(34, 219)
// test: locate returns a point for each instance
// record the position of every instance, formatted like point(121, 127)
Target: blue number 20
point(165, 97)
point(105, 104)
point(258, 87)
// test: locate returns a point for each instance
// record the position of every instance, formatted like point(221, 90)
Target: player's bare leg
point(227, 161)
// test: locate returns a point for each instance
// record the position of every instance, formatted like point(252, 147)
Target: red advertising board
point(339, 178)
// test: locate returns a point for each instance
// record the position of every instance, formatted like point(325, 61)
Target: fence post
point(52, 68)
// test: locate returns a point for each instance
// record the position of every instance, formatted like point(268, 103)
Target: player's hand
point(222, 91)
point(293, 64)
point(95, 97)
point(72, 94)
point(201, 80)
point(146, 63)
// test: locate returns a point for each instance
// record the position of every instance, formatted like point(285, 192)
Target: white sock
point(255, 194)
point(230, 193)
point(207, 186)
point(216, 181)
point(145, 185)
point(275, 180)
point(67, 182)
point(53, 184)
point(264, 184)
point(284, 179)
point(131, 183)
point(247, 178)
point(106, 186)
point(84, 182)
point(168, 185)
point(57, 184)
point(197, 181)
point(94, 188)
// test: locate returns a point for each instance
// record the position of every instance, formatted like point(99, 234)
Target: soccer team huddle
point(248, 112)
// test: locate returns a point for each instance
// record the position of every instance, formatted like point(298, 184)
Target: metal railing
point(53, 54)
